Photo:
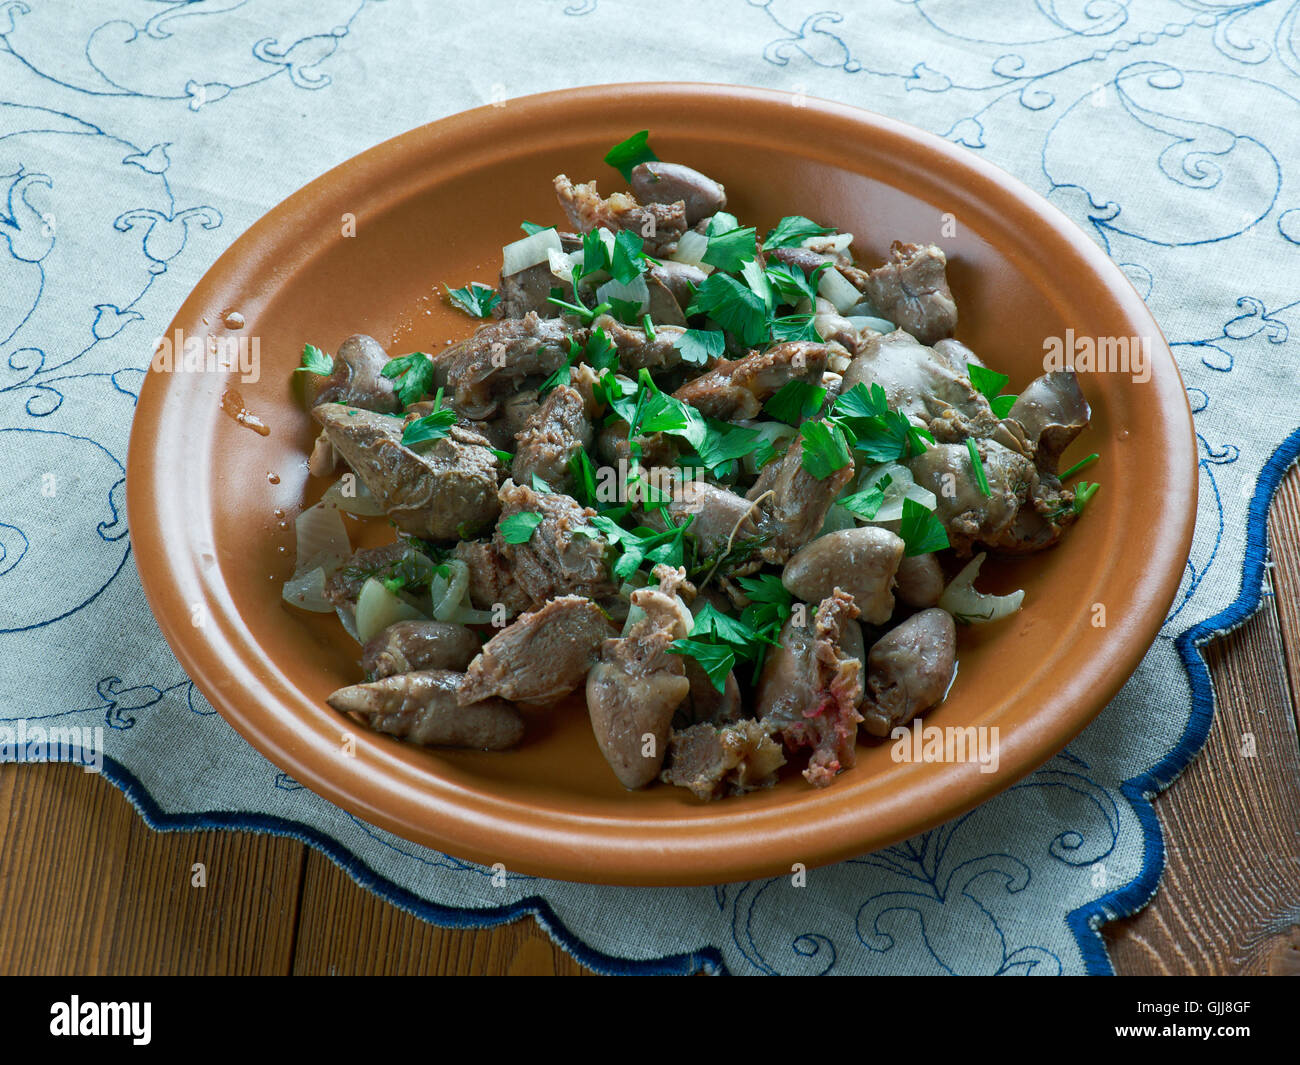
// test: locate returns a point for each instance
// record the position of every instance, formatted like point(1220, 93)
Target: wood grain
point(347, 931)
point(86, 888)
point(1230, 898)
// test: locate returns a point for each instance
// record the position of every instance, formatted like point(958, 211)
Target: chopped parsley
point(793, 285)
point(735, 307)
point(433, 426)
point(797, 401)
point(795, 327)
point(315, 361)
point(731, 250)
point(1083, 495)
point(794, 229)
point(716, 659)
point(981, 478)
point(1080, 465)
point(866, 504)
point(414, 374)
point(825, 448)
point(475, 299)
point(989, 383)
point(519, 528)
point(532, 227)
point(921, 531)
point(698, 346)
point(627, 154)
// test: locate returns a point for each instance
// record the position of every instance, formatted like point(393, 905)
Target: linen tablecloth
point(139, 138)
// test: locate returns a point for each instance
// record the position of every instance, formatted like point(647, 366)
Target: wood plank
point(87, 888)
point(1231, 890)
point(345, 930)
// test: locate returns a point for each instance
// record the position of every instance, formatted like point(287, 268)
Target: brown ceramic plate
point(211, 500)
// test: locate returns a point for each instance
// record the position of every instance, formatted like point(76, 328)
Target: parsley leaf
point(433, 426)
point(921, 531)
point(315, 361)
point(766, 588)
point(797, 401)
point(866, 504)
point(795, 327)
point(717, 660)
point(698, 346)
point(541, 487)
point(532, 227)
point(627, 154)
point(990, 383)
point(825, 448)
point(657, 412)
point(600, 351)
point(981, 478)
point(628, 261)
point(584, 479)
point(793, 229)
point(518, 528)
point(416, 373)
point(730, 251)
point(476, 298)
point(733, 306)
point(724, 442)
point(793, 285)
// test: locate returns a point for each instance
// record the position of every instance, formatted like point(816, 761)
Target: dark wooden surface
point(86, 888)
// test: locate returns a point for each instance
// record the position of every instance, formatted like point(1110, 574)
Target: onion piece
point(829, 243)
point(870, 321)
point(691, 247)
point(964, 603)
point(635, 290)
point(306, 591)
point(350, 494)
point(901, 486)
point(348, 619)
point(838, 289)
point(453, 598)
point(322, 538)
point(533, 249)
point(377, 608)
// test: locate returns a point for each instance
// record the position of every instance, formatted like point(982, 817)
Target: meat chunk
point(715, 762)
point(920, 581)
point(358, 379)
point(862, 561)
point(810, 688)
point(737, 389)
point(422, 708)
point(1024, 511)
point(445, 491)
point(490, 581)
point(637, 685)
point(412, 646)
point(530, 289)
point(500, 356)
point(719, 517)
point(541, 657)
point(1046, 418)
point(922, 383)
point(344, 585)
point(660, 225)
point(552, 437)
point(911, 290)
point(792, 503)
point(564, 556)
point(909, 670)
point(670, 183)
point(636, 351)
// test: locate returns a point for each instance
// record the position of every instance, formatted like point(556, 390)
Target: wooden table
point(86, 888)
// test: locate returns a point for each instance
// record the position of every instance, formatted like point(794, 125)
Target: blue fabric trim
point(1086, 922)
point(709, 960)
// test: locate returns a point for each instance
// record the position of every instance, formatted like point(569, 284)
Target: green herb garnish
point(794, 229)
point(981, 478)
point(518, 528)
point(415, 372)
point(315, 361)
point(921, 531)
point(475, 299)
point(625, 155)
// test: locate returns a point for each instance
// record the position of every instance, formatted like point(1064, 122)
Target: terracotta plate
point(211, 499)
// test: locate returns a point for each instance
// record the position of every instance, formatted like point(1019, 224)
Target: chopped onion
point(964, 603)
point(635, 290)
point(348, 619)
point(533, 249)
point(377, 608)
point(306, 591)
point(350, 494)
point(869, 321)
point(901, 486)
point(838, 289)
point(691, 247)
point(828, 244)
point(838, 518)
point(562, 264)
point(322, 538)
point(455, 594)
